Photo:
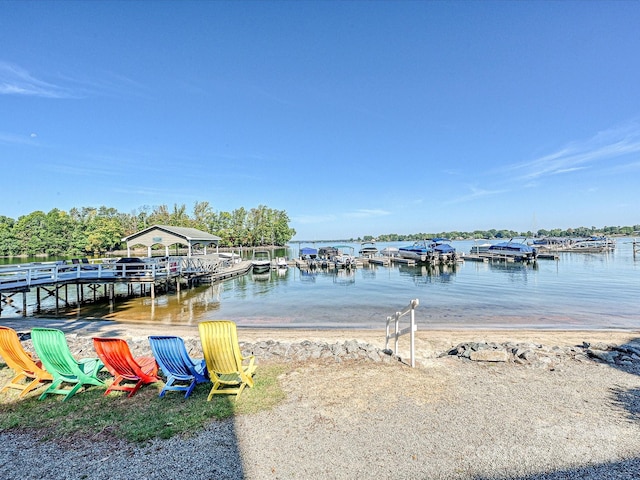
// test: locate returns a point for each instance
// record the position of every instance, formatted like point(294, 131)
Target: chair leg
point(135, 388)
point(15, 383)
point(115, 385)
point(242, 385)
point(216, 385)
point(167, 386)
point(52, 388)
point(72, 392)
point(192, 385)
point(35, 383)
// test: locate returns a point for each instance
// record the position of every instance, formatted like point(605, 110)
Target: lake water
point(591, 291)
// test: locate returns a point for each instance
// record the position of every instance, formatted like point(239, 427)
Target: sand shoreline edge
point(433, 339)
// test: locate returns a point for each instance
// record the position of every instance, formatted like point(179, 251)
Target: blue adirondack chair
point(182, 372)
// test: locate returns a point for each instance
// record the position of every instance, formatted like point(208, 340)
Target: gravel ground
point(450, 418)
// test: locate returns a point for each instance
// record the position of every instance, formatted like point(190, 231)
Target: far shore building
point(168, 236)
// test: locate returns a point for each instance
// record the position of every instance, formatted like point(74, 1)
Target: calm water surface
point(590, 291)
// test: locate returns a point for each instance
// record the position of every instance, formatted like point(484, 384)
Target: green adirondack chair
point(51, 346)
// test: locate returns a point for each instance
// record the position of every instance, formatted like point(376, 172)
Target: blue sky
point(357, 118)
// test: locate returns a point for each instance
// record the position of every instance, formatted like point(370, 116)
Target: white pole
point(414, 304)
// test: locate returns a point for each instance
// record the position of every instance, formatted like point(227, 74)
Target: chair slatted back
point(220, 346)
point(118, 359)
point(13, 353)
point(52, 348)
point(171, 354)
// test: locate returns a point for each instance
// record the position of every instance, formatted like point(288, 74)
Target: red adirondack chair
point(119, 361)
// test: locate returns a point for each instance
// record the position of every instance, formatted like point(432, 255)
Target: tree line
point(95, 231)
point(578, 232)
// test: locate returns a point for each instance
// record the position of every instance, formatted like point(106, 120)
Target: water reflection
point(308, 276)
point(344, 276)
point(517, 272)
point(428, 273)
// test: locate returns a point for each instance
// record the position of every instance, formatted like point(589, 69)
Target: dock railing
point(397, 332)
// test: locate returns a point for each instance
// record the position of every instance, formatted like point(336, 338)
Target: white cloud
point(367, 213)
point(604, 147)
point(475, 194)
point(14, 80)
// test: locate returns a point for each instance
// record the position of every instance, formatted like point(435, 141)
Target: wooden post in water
point(24, 304)
point(112, 296)
point(57, 290)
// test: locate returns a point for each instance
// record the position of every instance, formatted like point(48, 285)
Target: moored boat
point(389, 252)
point(261, 261)
point(513, 250)
point(418, 251)
point(480, 247)
point(310, 256)
point(344, 257)
point(436, 250)
point(308, 252)
point(442, 250)
point(326, 255)
point(593, 244)
point(368, 249)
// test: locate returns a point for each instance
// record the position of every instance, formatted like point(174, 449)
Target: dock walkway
point(52, 279)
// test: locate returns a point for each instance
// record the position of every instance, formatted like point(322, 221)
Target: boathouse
point(167, 236)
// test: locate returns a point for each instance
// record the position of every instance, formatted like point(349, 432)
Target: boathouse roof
point(168, 235)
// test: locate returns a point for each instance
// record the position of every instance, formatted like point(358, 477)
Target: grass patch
point(139, 418)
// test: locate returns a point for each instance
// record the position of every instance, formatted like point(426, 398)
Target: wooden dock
point(92, 282)
point(386, 261)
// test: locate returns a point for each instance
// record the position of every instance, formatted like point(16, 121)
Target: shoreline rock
point(533, 355)
point(627, 355)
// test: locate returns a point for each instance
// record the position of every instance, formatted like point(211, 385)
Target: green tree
point(8, 243)
point(179, 217)
point(203, 216)
point(30, 233)
point(58, 233)
point(104, 234)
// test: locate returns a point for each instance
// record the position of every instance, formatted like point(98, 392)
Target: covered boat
point(309, 255)
point(434, 250)
point(516, 250)
point(419, 251)
point(308, 252)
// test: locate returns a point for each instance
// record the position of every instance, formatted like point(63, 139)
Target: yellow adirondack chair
point(21, 362)
point(224, 360)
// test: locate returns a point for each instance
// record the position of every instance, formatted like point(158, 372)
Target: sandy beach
point(572, 417)
point(427, 341)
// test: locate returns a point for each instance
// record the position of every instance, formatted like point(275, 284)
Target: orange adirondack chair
point(21, 362)
point(119, 361)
